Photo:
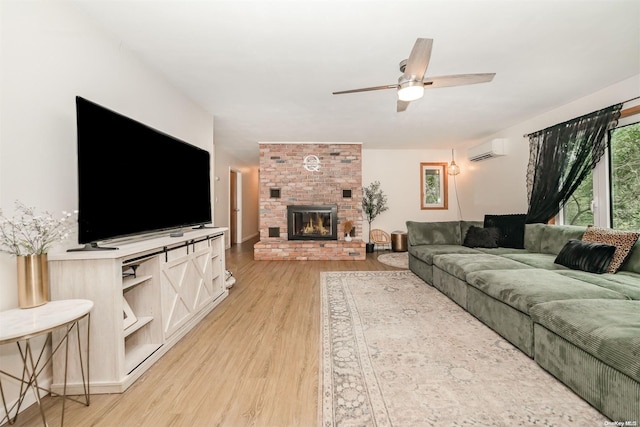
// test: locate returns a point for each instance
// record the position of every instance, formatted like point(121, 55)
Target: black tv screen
point(133, 179)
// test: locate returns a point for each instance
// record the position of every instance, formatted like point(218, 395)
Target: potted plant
point(29, 236)
point(374, 202)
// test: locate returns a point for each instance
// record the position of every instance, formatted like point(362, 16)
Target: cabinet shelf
point(141, 322)
point(130, 282)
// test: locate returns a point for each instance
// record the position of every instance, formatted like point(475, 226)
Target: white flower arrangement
point(31, 234)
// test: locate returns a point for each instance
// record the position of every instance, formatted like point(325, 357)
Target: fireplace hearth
point(312, 222)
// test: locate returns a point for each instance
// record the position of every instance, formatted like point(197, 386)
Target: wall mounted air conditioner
point(488, 150)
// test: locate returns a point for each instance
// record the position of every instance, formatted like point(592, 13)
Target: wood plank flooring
point(253, 361)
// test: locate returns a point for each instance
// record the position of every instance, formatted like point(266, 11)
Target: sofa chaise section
point(593, 346)
point(450, 272)
point(502, 299)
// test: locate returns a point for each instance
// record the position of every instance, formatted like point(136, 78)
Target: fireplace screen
point(312, 222)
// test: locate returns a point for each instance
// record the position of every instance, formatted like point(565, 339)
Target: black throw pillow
point(511, 229)
point(585, 256)
point(478, 237)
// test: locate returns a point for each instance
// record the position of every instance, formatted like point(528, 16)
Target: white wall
point(498, 185)
point(225, 162)
point(399, 174)
point(49, 54)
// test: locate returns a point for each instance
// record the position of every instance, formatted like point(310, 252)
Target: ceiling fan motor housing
point(403, 65)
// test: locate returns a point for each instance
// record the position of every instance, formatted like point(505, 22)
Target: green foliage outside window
point(625, 173)
point(577, 210)
point(625, 184)
point(432, 188)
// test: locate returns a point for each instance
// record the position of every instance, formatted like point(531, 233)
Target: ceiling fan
point(412, 82)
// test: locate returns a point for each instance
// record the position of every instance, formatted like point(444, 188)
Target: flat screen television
point(133, 179)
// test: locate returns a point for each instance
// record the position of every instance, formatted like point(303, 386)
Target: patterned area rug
point(396, 352)
point(395, 259)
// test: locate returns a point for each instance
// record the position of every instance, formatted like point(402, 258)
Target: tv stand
point(93, 247)
point(147, 295)
point(204, 227)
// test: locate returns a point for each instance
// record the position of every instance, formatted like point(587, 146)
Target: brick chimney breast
point(330, 169)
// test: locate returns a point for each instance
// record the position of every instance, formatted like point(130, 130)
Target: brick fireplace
point(304, 175)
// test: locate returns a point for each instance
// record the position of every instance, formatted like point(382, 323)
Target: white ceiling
point(266, 70)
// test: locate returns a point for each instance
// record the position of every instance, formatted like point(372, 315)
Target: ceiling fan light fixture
point(410, 91)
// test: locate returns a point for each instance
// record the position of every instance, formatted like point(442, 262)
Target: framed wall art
point(433, 186)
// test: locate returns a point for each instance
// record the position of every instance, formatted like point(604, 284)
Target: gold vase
point(33, 280)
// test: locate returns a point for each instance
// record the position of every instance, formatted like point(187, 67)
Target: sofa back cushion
point(633, 262)
point(433, 233)
point(533, 236)
point(554, 237)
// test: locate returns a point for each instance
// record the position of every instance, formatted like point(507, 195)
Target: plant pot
point(33, 280)
point(347, 238)
point(370, 247)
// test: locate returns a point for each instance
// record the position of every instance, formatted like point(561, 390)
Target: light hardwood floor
point(253, 361)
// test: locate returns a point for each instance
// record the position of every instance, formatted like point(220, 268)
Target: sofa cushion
point(554, 237)
point(622, 282)
point(511, 228)
point(459, 265)
point(608, 330)
point(533, 236)
point(426, 252)
point(545, 261)
point(585, 256)
point(433, 233)
point(633, 261)
point(522, 289)
point(502, 251)
point(622, 240)
point(480, 237)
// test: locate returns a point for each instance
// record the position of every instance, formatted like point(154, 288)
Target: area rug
point(395, 259)
point(396, 352)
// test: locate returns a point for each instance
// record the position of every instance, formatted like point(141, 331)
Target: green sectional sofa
point(583, 328)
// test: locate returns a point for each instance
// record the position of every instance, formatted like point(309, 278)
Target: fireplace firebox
point(308, 222)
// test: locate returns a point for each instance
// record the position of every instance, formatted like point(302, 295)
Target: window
point(625, 177)
point(609, 195)
point(579, 208)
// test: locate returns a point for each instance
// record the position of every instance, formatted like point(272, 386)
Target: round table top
point(18, 323)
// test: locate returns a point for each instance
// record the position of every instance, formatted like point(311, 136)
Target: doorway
point(235, 206)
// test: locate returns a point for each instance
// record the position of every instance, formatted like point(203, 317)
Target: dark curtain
point(561, 156)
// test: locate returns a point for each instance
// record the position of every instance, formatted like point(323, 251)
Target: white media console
point(147, 295)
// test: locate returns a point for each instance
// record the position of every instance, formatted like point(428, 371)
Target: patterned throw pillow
point(622, 240)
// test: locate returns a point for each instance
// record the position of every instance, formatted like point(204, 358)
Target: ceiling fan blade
point(402, 106)
point(366, 89)
point(458, 80)
point(418, 59)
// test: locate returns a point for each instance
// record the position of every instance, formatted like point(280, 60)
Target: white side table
point(21, 325)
